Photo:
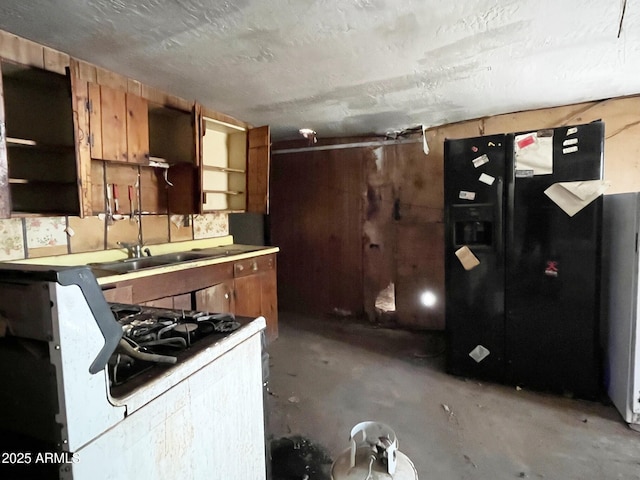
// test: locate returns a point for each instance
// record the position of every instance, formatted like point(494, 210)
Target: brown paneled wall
point(346, 233)
point(316, 220)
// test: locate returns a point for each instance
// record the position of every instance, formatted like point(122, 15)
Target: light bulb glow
point(428, 298)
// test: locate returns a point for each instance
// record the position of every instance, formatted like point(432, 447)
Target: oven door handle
point(109, 327)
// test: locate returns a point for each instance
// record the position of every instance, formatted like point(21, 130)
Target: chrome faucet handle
point(134, 250)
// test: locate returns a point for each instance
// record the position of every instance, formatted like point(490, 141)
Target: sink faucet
point(134, 250)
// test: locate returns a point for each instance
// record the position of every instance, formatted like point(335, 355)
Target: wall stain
point(373, 202)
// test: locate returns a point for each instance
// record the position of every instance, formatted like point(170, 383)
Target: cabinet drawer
point(249, 266)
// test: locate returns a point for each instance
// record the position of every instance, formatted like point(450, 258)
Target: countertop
point(105, 277)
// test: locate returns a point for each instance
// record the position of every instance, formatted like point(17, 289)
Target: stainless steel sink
point(134, 264)
point(129, 265)
point(180, 257)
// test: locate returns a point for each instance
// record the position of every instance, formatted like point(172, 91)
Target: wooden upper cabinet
point(137, 129)
point(39, 169)
point(234, 167)
point(118, 124)
point(258, 167)
point(5, 191)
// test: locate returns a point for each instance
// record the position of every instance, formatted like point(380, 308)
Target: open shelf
point(41, 157)
point(224, 160)
point(222, 169)
point(28, 143)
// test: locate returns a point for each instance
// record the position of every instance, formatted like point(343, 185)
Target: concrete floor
point(328, 374)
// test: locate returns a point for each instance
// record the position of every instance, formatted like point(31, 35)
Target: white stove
point(125, 391)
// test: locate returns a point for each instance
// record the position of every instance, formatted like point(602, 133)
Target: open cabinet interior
point(171, 135)
point(41, 154)
point(172, 143)
point(224, 159)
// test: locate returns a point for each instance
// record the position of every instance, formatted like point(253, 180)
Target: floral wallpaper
point(210, 225)
point(49, 235)
point(46, 232)
point(11, 239)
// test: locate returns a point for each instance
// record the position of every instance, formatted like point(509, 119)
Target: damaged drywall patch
point(378, 229)
point(385, 306)
point(379, 155)
point(386, 300)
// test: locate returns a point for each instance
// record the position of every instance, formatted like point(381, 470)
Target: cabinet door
point(165, 302)
point(79, 98)
point(5, 194)
point(108, 123)
point(216, 298)
point(269, 302)
point(119, 125)
point(182, 301)
point(248, 295)
point(137, 129)
point(119, 294)
point(258, 166)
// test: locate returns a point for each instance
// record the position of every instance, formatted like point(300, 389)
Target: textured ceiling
point(353, 66)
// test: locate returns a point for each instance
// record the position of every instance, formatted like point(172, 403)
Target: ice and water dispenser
point(474, 225)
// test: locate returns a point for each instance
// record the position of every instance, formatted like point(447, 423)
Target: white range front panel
point(210, 425)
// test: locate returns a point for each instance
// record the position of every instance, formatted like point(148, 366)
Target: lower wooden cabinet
point(217, 298)
point(255, 288)
point(246, 287)
point(180, 302)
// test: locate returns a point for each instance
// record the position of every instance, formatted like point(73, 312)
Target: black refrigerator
point(522, 276)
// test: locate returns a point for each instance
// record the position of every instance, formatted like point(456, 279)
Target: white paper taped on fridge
point(467, 195)
point(572, 197)
point(534, 151)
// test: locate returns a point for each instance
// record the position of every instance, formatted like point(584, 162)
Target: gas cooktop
point(156, 337)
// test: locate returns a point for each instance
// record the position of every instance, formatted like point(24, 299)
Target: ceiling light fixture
point(309, 134)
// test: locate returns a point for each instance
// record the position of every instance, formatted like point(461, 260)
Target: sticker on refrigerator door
point(479, 353)
point(523, 141)
point(488, 179)
point(572, 131)
point(570, 150)
point(467, 195)
point(551, 269)
point(468, 260)
point(481, 160)
point(570, 141)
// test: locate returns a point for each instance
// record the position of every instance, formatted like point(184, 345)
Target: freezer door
point(621, 335)
point(553, 272)
point(474, 200)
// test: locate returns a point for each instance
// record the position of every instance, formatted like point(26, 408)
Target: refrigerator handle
point(499, 221)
